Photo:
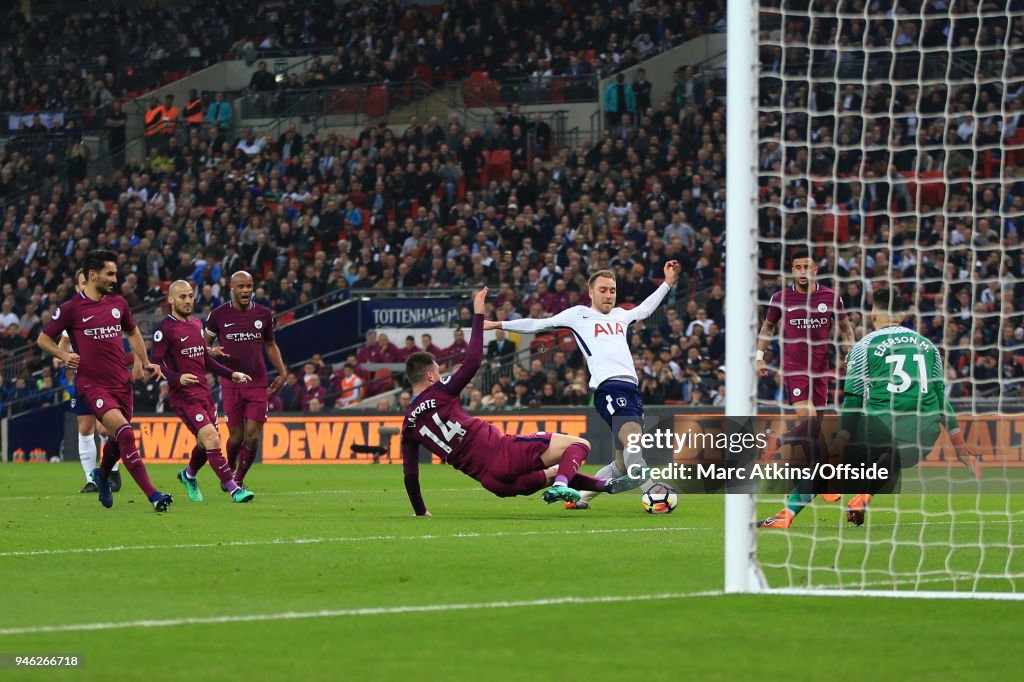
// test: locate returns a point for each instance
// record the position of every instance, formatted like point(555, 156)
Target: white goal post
point(741, 574)
point(882, 136)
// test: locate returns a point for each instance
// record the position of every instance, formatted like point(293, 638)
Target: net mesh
point(891, 146)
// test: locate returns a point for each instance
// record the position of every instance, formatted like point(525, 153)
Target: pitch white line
point(957, 577)
point(897, 594)
point(341, 613)
point(272, 494)
point(329, 540)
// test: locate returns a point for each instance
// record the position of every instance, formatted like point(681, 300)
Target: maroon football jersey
point(179, 348)
point(437, 421)
point(242, 333)
point(807, 320)
point(96, 330)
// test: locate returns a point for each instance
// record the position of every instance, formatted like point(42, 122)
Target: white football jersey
point(601, 338)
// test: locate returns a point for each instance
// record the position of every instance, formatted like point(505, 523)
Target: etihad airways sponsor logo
point(194, 351)
point(244, 336)
point(101, 333)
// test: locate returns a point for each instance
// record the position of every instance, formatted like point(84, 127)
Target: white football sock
point(610, 470)
point(87, 454)
point(637, 458)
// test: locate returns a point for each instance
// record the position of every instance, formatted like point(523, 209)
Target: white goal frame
point(742, 573)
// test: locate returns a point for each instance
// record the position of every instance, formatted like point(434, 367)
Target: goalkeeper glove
point(966, 457)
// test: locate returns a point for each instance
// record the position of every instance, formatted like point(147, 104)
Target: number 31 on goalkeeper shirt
point(905, 381)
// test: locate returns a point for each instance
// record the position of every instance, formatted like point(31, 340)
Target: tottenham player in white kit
point(602, 334)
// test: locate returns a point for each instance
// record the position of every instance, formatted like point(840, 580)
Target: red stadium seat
point(424, 73)
point(837, 227)
point(343, 101)
point(480, 90)
point(932, 186)
point(285, 319)
point(1016, 146)
point(377, 102)
point(499, 166)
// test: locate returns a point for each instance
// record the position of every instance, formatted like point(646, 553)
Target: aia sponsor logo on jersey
point(610, 328)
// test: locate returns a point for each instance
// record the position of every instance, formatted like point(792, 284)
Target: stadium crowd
point(903, 155)
point(439, 205)
point(82, 60)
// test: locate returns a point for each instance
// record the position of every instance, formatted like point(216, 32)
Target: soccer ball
point(660, 499)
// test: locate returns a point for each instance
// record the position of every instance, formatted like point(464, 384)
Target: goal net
point(890, 145)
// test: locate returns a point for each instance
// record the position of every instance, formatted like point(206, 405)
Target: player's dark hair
point(798, 254)
point(610, 274)
point(96, 259)
point(889, 300)
point(417, 364)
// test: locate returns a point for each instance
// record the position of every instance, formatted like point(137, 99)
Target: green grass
point(339, 538)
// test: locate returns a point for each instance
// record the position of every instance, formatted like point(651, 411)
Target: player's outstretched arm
point(651, 303)
point(217, 368)
point(528, 325)
point(454, 384)
point(411, 469)
point(672, 272)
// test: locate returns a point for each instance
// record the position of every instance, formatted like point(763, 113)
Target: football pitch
point(328, 576)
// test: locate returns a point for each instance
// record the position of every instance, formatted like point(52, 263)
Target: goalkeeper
point(895, 402)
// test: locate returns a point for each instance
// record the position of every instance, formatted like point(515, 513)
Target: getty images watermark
point(735, 444)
